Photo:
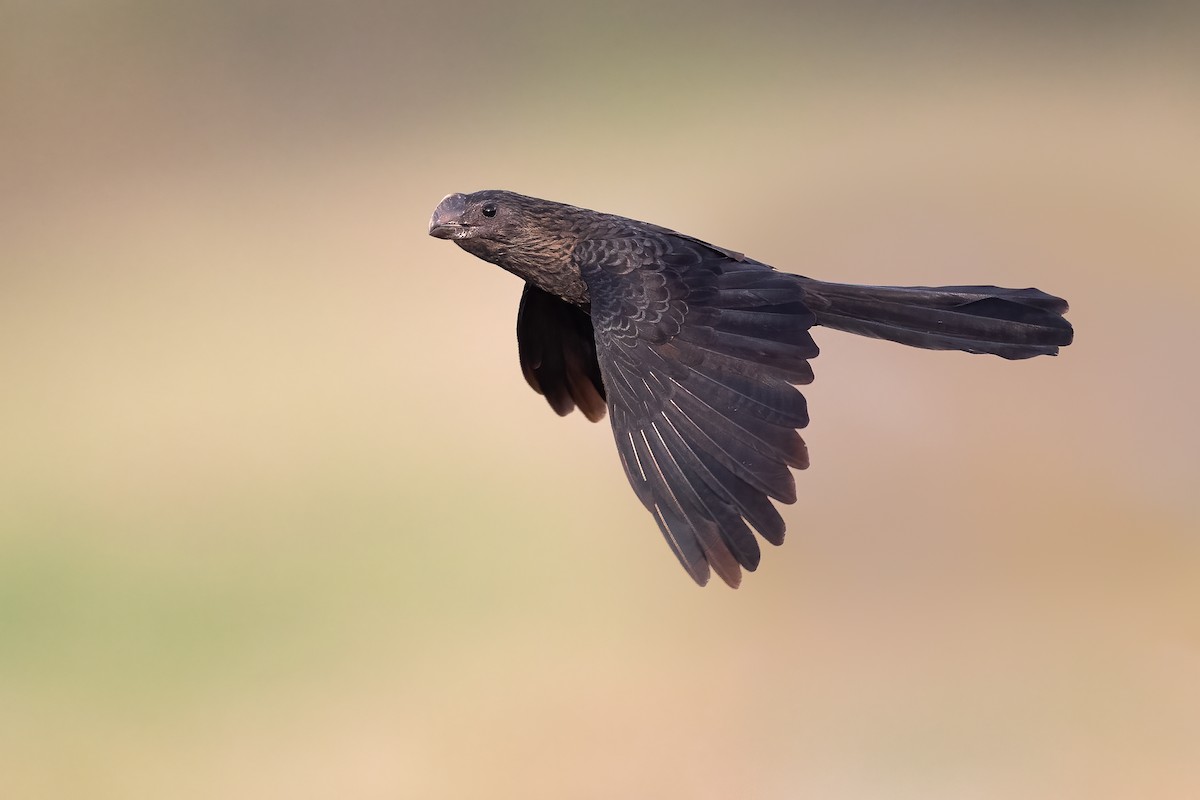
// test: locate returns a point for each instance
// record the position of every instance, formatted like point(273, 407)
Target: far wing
point(558, 353)
point(698, 351)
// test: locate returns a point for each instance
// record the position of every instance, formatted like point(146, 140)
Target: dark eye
point(489, 210)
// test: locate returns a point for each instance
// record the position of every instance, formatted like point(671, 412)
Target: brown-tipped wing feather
point(558, 353)
point(698, 351)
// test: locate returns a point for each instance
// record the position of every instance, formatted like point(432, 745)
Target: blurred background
point(280, 518)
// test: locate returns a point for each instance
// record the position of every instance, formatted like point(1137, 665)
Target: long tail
point(1010, 323)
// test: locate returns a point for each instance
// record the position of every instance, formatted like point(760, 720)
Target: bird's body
point(695, 352)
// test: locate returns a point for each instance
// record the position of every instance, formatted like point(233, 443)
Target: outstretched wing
point(698, 350)
point(558, 353)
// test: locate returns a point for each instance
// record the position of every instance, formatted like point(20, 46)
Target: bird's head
point(524, 235)
point(490, 214)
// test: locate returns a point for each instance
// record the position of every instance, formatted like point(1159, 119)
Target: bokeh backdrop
point(280, 518)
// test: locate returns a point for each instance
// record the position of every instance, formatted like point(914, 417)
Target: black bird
point(695, 350)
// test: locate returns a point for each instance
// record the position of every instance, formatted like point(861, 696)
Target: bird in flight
point(695, 352)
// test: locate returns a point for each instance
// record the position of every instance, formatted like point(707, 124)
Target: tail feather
point(1010, 323)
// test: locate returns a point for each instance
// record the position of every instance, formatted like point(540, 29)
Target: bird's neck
point(545, 262)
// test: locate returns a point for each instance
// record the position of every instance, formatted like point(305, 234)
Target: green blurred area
point(280, 518)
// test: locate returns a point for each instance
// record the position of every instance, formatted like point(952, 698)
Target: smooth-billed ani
point(695, 351)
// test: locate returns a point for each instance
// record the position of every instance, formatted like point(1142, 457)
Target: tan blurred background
point(280, 518)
